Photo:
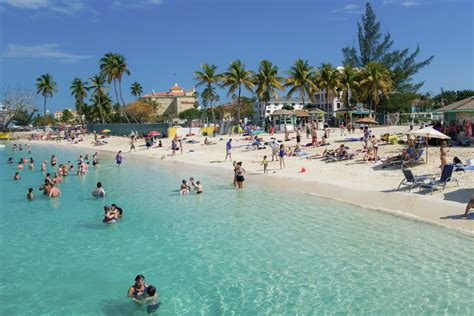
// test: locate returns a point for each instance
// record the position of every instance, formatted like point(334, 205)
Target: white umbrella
point(428, 132)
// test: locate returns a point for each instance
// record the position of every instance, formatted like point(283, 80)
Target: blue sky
point(165, 41)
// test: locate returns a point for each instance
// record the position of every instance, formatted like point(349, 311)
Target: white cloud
point(68, 7)
point(349, 9)
point(136, 4)
point(43, 51)
point(409, 4)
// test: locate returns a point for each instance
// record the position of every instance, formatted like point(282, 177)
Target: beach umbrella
point(367, 121)
point(427, 133)
point(105, 130)
point(154, 133)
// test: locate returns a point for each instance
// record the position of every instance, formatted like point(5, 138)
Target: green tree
point(136, 89)
point(349, 80)
point(189, 114)
point(99, 93)
point(375, 47)
point(113, 66)
point(328, 79)
point(236, 76)
point(267, 81)
point(67, 116)
point(23, 118)
point(46, 86)
point(79, 90)
point(208, 77)
point(301, 79)
point(376, 83)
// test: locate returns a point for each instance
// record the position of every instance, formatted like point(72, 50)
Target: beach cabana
point(282, 118)
point(349, 115)
point(317, 114)
point(302, 116)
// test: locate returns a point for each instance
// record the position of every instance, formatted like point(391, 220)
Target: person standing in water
point(30, 196)
point(119, 158)
point(239, 175)
point(228, 150)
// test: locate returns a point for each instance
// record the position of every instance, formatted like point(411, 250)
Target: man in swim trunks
point(54, 191)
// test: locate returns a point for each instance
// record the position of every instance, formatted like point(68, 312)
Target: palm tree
point(136, 89)
point(267, 81)
point(46, 86)
point(301, 79)
point(79, 90)
point(349, 80)
point(208, 76)
point(113, 66)
point(236, 76)
point(328, 79)
point(376, 82)
point(98, 93)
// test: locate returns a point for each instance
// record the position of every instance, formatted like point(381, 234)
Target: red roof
point(176, 87)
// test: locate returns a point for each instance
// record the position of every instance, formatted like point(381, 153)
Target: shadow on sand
point(460, 195)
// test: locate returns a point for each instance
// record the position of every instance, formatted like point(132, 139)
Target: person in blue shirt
point(228, 149)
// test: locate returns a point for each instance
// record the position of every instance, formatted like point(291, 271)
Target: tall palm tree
point(79, 90)
point(98, 93)
point(136, 89)
point(208, 77)
point(46, 86)
point(301, 79)
point(349, 80)
point(376, 82)
point(113, 66)
point(267, 81)
point(328, 79)
point(236, 76)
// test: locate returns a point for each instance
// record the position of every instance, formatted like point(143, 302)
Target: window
point(338, 105)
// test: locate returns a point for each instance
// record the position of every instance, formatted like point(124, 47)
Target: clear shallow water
point(246, 252)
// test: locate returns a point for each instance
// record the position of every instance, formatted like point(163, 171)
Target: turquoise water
point(245, 252)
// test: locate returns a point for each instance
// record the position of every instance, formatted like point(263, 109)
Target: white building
point(328, 106)
point(263, 110)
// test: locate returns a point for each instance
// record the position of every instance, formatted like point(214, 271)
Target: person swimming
point(32, 164)
point(138, 290)
point(20, 165)
point(184, 188)
point(118, 211)
point(10, 160)
point(16, 176)
point(196, 185)
point(30, 196)
point(110, 216)
point(43, 165)
point(99, 190)
point(54, 191)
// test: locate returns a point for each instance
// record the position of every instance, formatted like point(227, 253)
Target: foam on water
point(251, 251)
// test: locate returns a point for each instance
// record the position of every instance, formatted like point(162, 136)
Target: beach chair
point(415, 160)
point(410, 181)
point(446, 176)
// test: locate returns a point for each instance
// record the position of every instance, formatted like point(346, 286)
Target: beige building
point(173, 102)
point(59, 115)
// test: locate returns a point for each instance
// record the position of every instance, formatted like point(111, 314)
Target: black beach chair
point(410, 181)
point(446, 176)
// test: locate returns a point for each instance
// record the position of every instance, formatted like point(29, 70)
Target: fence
point(126, 129)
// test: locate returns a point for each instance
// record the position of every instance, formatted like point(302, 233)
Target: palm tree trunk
point(238, 107)
point(44, 111)
point(80, 114)
point(118, 101)
point(123, 103)
point(212, 109)
point(101, 114)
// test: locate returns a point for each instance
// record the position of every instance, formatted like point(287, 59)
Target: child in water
point(30, 196)
point(184, 188)
point(150, 299)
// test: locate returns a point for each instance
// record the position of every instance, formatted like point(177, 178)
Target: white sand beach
point(354, 181)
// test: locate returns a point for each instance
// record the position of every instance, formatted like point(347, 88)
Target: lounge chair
point(446, 176)
point(410, 181)
point(415, 160)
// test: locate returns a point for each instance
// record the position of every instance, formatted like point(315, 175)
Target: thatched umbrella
point(427, 133)
point(367, 121)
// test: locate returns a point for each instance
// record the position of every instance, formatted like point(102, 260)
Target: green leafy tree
point(328, 80)
point(23, 117)
point(267, 81)
point(99, 92)
point(113, 66)
point(136, 89)
point(67, 116)
point(376, 83)
point(46, 86)
point(208, 77)
point(234, 78)
point(375, 47)
point(79, 90)
point(349, 85)
point(301, 80)
point(189, 114)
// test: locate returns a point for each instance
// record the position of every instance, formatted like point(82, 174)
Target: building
point(458, 111)
point(262, 111)
point(328, 106)
point(172, 102)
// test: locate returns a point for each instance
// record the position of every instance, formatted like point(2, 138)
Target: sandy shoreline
point(352, 181)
